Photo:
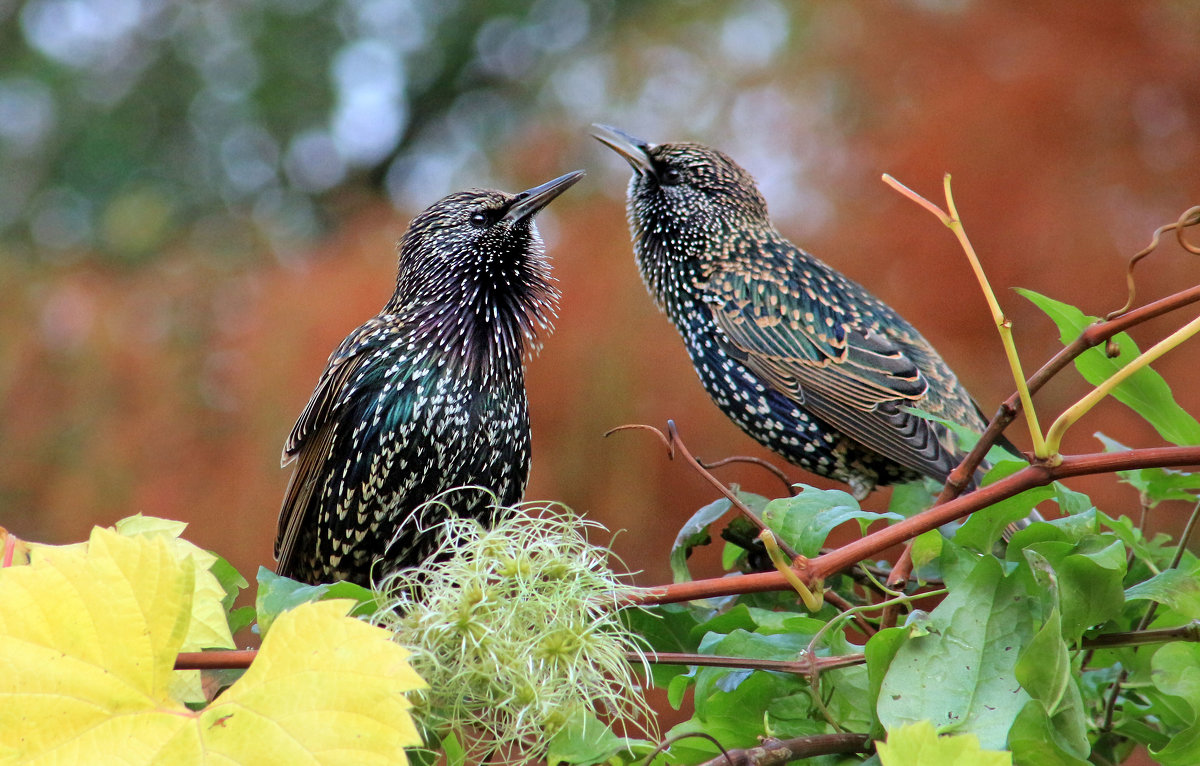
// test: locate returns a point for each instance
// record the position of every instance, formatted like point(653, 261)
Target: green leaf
point(926, 547)
point(455, 754)
point(879, 651)
point(918, 744)
point(1033, 740)
point(805, 520)
point(1045, 672)
point(278, 594)
point(678, 685)
point(1177, 672)
point(910, 498)
point(1145, 391)
point(961, 676)
point(1071, 502)
point(736, 716)
point(1176, 588)
point(983, 529)
point(1086, 576)
point(665, 628)
point(230, 579)
point(584, 739)
point(694, 532)
point(1155, 484)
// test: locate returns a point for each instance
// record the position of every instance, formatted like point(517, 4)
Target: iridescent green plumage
point(422, 411)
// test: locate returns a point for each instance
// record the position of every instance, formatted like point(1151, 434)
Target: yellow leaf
point(88, 637)
point(88, 640)
point(918, 744)
point(209, 629)
point(320, 682)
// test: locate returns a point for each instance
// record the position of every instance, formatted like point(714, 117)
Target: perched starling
point(426, 397)
point(801, 358)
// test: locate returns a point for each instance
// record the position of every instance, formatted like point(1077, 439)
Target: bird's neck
point(478, 329)
point(676, 262)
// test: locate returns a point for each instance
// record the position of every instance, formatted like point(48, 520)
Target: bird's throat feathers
point(482, 314)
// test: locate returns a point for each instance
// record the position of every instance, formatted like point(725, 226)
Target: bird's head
point(474, 263)
point(478, 237)
point(689, 186)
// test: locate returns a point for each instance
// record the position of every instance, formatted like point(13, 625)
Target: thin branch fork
point(1095, 335)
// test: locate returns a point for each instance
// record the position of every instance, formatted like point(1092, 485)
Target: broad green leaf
point(961, 675)
point(1045, 672)
point(737, 718)
point(918, 744)
point(231, 580)
point(879, 651)
point(277, 594)
point(983, 529)
point(584, 739)
point(1177, 672)
point(1145, 391)
point(1156, 552)
point(666, 628)
point(910, 498)
point(926, 547)
point(1033, 740)
point(1087, 577)
point(455, 754)
point(804, 521)
point(1176, 588)
point(849, 702)
point(1070, 502)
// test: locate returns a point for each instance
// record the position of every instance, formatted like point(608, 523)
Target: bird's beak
point(634, 150)
point(529, 202)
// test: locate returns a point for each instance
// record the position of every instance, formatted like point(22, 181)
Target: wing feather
point(315, 430)
point(856, 374)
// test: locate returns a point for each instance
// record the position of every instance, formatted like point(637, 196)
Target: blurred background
point(198, 200)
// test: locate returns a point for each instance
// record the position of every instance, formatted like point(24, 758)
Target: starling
point(422, 412)
point(800, 357)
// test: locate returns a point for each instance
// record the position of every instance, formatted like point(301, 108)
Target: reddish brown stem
point(803, 668)
point(875, 543)
point(224, 660)
point(1091, 337)
point(777, 752)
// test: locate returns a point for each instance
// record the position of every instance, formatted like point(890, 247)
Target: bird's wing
point(849, 372)
point(338, 382)
point(311, 437)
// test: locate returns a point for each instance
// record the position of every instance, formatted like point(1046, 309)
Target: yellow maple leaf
point(88, 639)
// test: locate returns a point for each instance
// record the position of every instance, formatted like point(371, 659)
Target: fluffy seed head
point(517, 632)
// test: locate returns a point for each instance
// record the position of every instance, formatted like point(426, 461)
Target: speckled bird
point(800, 357)
point(426, 397)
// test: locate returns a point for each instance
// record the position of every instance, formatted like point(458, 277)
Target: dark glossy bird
point(802, 358)
point(422, 411)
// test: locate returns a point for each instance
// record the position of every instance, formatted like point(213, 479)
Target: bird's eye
point(479, 219)
point(670, 176)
